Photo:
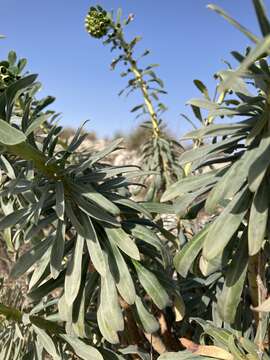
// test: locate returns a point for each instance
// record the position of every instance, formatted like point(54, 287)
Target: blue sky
point(185, 38)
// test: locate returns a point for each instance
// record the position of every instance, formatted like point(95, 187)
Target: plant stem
point(139, 78)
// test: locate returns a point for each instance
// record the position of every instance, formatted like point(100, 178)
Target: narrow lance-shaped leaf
point(218, 130)
point(235, 276)
point(94, 248)
point(60, 200)
point(108, 333)
point(95, 211)
point(262, 17)
point(235, 23)
point(223, 228)
point(78, 308)
point(58, 249)
point(13, 218)
point(40, 268)
point(7, 167)
point(84, 351)
point(185, 257)
point(260, 164)
point(28, 259)
point(73, 274)
point(110, 297)
point(124, 242)
point(152, 286)
point(190, 184)
point(13, 91)
point(200, 85)
point(100, 155)
point(199, 153)
point(36, 123)
point(93, 195)
point(258, 219)
point(107, 311)
point(149, 322)
point(145, 234)
point(231, 182)
point(47, 342)
point(124, 280)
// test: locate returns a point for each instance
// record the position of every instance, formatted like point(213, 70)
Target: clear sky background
point(188, 41)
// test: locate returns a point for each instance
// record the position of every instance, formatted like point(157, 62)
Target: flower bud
point(97, 22)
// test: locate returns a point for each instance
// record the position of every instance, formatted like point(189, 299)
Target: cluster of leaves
point(90, 245)
point(233, 250)
point(101, 277)
point(160, 152)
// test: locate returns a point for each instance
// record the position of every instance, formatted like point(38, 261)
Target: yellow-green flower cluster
point(97, 22)
point(6, 77)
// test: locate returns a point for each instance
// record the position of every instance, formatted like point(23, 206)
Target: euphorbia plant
point(160, 152)
point(230, 180)
point(98, 272)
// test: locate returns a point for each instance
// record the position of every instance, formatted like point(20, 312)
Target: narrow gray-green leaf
point(93, 195)
point(73, 274)
point(223, 228)
point(124, 282)
point(235, 23)
point(47, 342)
point(13, 218)
point(235, 277)
point(60, 200)
point(84, 351)
point(258, 219)
point(123, 241)
point(182, 355)
point(152, 286)
point(203, 103)
point(143, 233)
point(203, 151)
point(108, 313)
point(231, 182)
point(40, 268)
point(203, 89)
point(218, 130)
point(9, 135)
point(149, 322)
point(104, 326)
point(191, 183)
point(262, 17)
point(260, 164)
point(95, 211)
point(185, 257)
point(7, 167)
point(58, 249)
point(28, 259)
point(36, 124)
point(94, 248)
point(100, 155)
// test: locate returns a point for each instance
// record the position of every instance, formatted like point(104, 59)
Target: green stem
point(134, 68)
